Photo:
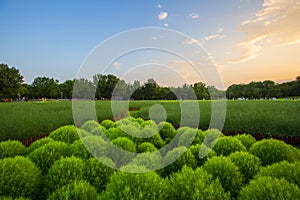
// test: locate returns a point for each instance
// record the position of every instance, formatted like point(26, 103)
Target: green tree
point(10, 81)
point(67, 89)
point(45, 87)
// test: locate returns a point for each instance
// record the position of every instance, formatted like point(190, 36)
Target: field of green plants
point(66, 164)
point(21, 120)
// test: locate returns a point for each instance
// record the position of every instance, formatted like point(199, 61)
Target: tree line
point(109, 87)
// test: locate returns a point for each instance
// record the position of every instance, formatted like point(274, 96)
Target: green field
point(20, 120)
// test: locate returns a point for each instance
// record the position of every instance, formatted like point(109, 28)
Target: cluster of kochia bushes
point(66, 164)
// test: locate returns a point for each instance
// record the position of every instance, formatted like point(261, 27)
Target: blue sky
point(52, 38)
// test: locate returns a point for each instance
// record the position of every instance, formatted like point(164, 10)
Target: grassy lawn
point(26, 119)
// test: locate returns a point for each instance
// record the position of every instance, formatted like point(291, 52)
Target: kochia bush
point(135, 186)
point(12, 148)
point(201, 157)
point(63, 171)
point(195, 184)
point(90, 125)
point(227, 172)
point(108, 124)
point(19, 177)
point(45, 156)
point(272, 151)
point(146, 147)
point(288, 171)
point(67, 134)
point(270, 188)
point(227, 145)
point(248, 164)
point(98, 173)
point(166, 131)
point(246, 139)
point(75, 190)
point(38, 143)
point(122, 157)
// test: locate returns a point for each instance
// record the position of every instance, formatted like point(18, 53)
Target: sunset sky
point(247, 40)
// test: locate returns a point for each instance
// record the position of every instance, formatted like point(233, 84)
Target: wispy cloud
point(194, 16)
point(278, 22)
point(217, 35)
point(162, 15)
point(166, 25)
point(159, 6)
point(192, 41)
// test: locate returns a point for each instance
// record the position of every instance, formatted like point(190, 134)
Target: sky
point(243, 40)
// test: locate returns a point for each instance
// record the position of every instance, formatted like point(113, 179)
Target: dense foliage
point(65, 167)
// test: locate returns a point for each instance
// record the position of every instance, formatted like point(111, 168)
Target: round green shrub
point(248, 164)
point(198, 184)
point(135, 186)
point(12, 148)
point(80, 190)
point(146, 147)
point(98, 131)
point(205, 153)
point(156, 140)
point(95, 145)
point(272, 151)
point(45, 156)
point(83, 133)
point(67, 134)
point(166, 130)
point(63, 172)
point(114, 133)
point(151, 161)
point(19, 177)
point(186, 136)
point(227, 145)
point(90, 125)
point(98, 173)
point(150, 124)
point(108, 124)
point(137, 120)
point(125, 146)
point(184, 158)
point(211, 137)
point(246, 139)
point(199, 138)
point(79, 150)
point(269, 188)
point(288, 171)
point(226, 171)
point(38, 143)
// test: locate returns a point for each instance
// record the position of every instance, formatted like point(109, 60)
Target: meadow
point(19, 120)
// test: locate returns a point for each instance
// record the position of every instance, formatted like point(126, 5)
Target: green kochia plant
point(272, 151)
point(63, 172)
point(138, 186)
point(19, 177)
point(75, 190)
point(227, 145)
point(45, 156)
point(248, 164)
point(227, 172)
point(246, 139)
point(12, 148)
point(67, 134)
point(38, 143)
point(269, 188)
point(195, 184)
point(98, 173)
point(288, 171)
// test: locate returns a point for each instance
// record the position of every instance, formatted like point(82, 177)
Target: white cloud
point(192, 41)
point(162, 15)
point(116, 65)
point(159, 6)
point(166, 25)
point(278, 22)
point(194, 16)
point(210, 37)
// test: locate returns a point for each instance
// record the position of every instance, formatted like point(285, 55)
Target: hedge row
point(207, 164)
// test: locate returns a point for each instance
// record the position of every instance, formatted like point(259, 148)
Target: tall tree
point(10, 81)
point(45, 87)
